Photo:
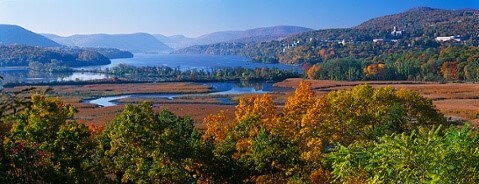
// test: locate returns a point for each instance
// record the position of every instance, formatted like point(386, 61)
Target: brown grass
point(105, 115)
point(453, 99)
point(121, 89)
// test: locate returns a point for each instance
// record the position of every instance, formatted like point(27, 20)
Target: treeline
point(362, 135)
point(164, 73)
point(54, 66)
point(18, 55)
point(450, 63)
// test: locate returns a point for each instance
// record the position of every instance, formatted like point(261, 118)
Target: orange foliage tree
point(313, 72)
point(449, 70)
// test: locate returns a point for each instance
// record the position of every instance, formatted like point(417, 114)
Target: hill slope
point(19, 55)
point(138, 42)
point(251, 35)
point(419, 27)
point(13, 34)
point(429, 21)
point(224, 36)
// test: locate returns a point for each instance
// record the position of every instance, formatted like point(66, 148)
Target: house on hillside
point(381, 40)
point(396, 32)
point(448, 39)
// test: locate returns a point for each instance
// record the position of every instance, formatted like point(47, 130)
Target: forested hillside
point(17, 55)
point(111, 53)
point(412, 31)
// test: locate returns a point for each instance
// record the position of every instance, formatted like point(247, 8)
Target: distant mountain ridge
point(250, 35)
point(136, 42)
point(13, 34)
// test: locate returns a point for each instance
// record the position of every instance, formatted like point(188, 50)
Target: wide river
point(184, 62)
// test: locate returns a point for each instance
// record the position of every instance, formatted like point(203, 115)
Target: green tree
point(47, 145)
point(145, 147)
point(423, 156)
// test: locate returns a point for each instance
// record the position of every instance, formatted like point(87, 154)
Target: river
point(184, 62)
point(220, 91)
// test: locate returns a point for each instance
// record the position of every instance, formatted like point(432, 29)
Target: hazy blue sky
point(196, 17)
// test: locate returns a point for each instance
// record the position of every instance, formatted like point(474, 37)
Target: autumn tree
point(313, 72)
point(362, 113)
point(45, 145)
point(376, 71)
point(261, 107)
point(216, 127)
point(294, 109)
point(449, 70)
point(252, 153)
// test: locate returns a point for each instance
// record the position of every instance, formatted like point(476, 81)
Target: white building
point(396, 32)
point(448, 39)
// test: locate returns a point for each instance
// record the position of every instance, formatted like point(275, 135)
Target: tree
point(47, 145)
point(375, 71)
point(216, 127)
point(313, 72)
point(146, 147)
point(434, 155)
point(449, 70)
point(294, 109)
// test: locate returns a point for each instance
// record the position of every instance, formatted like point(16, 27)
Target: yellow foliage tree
point(313, 72)
point(294, 109)
point(260, 107)
point(216, 127)
point(375, 71)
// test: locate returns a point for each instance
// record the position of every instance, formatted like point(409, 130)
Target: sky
point(196, 17)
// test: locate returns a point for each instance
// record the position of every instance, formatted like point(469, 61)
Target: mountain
point(59, 39)
point(416, 30)
point(13, 34)
point(276, 31)
point(425, 21)
point(137, 42)
point(251, 35)
point(175, 41)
